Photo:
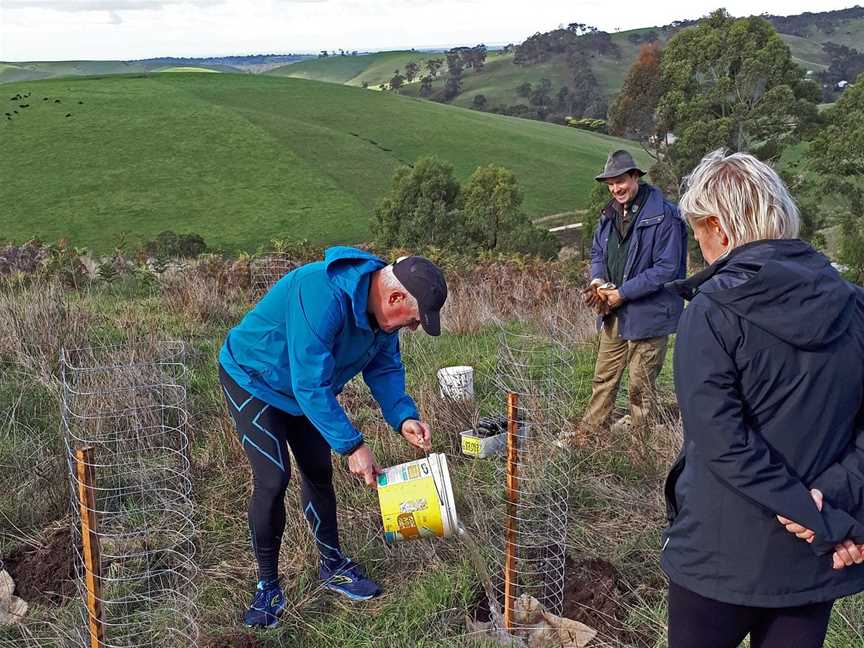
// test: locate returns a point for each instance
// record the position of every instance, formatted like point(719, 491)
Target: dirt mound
point(45, 575)
point(231, 640)
point(594, 596)
point(589, 592)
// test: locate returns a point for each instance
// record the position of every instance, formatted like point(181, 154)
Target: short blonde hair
point(746, 195)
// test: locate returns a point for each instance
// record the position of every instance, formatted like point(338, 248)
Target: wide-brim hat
point(618, 163)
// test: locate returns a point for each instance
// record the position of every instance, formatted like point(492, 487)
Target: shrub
point(171, 244)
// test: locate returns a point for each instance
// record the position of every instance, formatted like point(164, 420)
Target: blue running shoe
point(349, 579)
point(268, 604)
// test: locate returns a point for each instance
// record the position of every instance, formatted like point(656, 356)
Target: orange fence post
point(90, 543)
point(512, 501)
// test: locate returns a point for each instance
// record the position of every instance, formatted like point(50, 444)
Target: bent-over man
point(281, 369)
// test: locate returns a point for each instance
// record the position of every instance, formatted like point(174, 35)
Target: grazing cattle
point(56, 101)
point(80, 103)
point(68, 114)
point(23, 105)
point(44, 98)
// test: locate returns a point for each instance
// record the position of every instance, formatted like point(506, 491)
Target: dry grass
point(614, 482)
point(202, 297)
point(538, 294)
point(37, 320)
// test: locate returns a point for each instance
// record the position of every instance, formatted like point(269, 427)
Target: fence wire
point(128, 405)
point(268, 269)
point(536, 369)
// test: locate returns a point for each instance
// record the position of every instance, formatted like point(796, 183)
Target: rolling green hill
point(241, 159)
point(500, 77)
point(354, 70)
point(32, 70)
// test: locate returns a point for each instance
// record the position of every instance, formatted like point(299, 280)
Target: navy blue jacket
point(656, 256)
point(769, 374)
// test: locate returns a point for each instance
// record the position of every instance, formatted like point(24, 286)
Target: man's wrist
point(354, 449)
point(404, 421)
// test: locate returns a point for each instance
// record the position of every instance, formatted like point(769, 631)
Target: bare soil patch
point(45, 575)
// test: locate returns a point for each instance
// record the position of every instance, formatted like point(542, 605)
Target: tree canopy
point(732, 83)
point(426, 206)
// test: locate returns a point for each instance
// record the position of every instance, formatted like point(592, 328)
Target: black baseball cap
point(425, 281)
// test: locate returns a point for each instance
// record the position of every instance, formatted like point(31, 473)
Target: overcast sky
point(131, 29)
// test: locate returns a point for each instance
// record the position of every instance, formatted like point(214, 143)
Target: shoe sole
point(269, 625)
point(353, 597)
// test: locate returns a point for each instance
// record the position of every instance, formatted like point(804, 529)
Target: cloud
point(104, 5)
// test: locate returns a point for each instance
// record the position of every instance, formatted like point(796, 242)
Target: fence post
point(512, 501)
point(90, 542)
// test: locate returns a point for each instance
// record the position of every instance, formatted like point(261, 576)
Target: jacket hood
point(350, 270)
point(782, 286)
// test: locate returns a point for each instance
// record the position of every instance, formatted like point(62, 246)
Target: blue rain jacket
point(769, 375)
point(656, 256)
point(311, 334)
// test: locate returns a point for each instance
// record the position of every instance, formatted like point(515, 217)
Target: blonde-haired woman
point(769, 374)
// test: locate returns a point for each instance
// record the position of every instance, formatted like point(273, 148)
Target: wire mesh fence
point(268, 269)
point(534, 370)
point(124, 424)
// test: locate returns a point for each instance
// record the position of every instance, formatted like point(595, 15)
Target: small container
point(456, 383)
point(481, 447)
point(416, 500)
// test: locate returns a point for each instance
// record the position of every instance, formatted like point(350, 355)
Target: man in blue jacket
point(281, 369)
point(640, 244)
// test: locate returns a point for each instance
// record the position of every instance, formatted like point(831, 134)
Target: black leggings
point(264, 432)
point(699, 622)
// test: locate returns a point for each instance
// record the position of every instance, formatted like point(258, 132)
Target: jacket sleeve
point(712, 409)
point(313, 321)
point(598, 254)
point(385, 375)
point(842, 483)
point(666, 259)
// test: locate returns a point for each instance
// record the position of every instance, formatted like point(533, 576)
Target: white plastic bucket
point(456, 383)
point(416, 500)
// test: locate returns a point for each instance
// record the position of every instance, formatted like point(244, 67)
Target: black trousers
point(265, 434)
point(699, 622)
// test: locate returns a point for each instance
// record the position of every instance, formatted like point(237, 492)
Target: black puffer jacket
point(769, 373)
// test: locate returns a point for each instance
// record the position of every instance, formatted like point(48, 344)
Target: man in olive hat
point(639, 245)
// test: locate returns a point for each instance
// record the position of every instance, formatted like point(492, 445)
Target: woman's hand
point(847, 553)
point(798, 530)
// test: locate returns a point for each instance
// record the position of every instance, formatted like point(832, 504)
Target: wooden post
point(90, 542)
point(512, 501)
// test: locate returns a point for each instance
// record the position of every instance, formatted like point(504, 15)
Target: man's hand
point(362, 463)
point(798, 530)
point(591, 298)
point(612, 297)
point(417, 434)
